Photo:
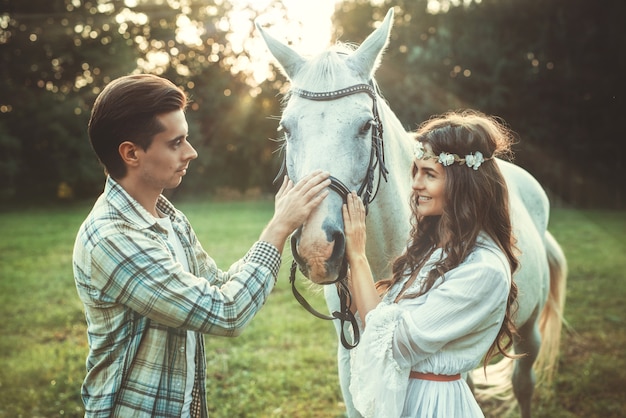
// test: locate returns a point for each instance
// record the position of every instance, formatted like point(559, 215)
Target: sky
point(307, 27)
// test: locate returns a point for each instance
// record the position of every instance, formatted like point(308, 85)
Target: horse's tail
point(551, 320)
point(499, 387)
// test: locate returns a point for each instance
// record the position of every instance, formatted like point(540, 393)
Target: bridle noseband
point(366, 192)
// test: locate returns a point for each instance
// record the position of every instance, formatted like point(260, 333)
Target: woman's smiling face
point(429, 181)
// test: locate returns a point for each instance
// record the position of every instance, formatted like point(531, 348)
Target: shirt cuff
point(266, 254)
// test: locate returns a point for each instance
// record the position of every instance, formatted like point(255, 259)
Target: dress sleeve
point(471, 300)
point(397, 336)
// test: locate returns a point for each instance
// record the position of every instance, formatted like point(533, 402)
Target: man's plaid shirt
point(139, 304)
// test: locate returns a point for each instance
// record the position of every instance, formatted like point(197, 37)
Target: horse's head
point(333, 132)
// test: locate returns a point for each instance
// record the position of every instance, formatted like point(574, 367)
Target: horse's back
point(530, 211)
point(533, 197)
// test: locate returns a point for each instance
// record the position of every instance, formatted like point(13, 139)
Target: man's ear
point(128, 152)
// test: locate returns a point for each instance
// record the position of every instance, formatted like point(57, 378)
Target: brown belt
point(434, 377)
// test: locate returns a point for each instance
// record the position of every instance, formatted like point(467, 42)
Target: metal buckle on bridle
point(367, 194)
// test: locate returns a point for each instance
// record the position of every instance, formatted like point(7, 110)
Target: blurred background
point(554, 70)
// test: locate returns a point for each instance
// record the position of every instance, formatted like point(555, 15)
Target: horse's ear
point(366, 59)
point(289, 60)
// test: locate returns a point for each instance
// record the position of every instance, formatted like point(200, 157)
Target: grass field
point(284, 363)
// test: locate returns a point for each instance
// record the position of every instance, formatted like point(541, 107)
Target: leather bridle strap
point(377, 158)
point(366, 193)
point(341, 189)
point(345, 302)
point(337, 94)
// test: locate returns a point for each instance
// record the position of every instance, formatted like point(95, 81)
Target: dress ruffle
point(379, 384)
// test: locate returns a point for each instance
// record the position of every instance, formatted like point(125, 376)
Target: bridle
point(366, 192)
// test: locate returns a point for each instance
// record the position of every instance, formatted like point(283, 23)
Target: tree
point(57, 56)
point(552, 70)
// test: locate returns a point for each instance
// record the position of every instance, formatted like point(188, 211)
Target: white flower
point(419, 150)
point(446, 159)
point(474, 161)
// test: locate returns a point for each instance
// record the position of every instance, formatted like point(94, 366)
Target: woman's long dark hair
point(475, 201)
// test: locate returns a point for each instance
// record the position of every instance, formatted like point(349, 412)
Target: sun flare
point(306, 27)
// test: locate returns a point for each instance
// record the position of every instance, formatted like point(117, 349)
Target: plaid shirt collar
point(131, 210)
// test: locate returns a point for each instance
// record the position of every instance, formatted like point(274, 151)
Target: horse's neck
point(388, 222)
point(525, 188)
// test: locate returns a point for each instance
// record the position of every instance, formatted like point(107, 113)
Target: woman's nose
point(417, 182)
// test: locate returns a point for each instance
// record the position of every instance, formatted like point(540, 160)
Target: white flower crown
point(471, 160)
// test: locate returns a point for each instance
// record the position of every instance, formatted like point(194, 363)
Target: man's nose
point(192, 153)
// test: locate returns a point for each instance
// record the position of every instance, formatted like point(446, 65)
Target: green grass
point(592, 367)
point(284, 363)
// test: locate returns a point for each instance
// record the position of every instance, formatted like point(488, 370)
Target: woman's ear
point(128, 152)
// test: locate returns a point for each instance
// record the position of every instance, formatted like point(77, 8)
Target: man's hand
point(293, 205)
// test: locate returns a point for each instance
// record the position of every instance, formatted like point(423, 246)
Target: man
point(148, 287)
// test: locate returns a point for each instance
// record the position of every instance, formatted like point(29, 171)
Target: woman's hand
point(354, 227)
point(360, 276)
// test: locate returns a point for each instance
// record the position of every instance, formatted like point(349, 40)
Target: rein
point(366, 192)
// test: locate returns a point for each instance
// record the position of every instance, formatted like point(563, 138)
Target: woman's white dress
point(446, 331)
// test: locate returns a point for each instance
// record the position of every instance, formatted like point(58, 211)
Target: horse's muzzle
point(324, 271)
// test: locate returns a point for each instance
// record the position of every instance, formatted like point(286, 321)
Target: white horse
point(331, 120)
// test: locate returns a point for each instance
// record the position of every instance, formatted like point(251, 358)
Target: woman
point(450, 301)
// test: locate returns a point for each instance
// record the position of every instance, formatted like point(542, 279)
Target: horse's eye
point(366, 127)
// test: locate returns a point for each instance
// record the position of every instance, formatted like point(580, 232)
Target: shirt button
point(182, 349)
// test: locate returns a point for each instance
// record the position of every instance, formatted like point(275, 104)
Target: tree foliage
point(553, 70)
point(57, 56)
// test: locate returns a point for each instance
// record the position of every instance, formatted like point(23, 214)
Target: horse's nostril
point(340, 245)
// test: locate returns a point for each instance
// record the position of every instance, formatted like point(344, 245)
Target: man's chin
point(174, 184)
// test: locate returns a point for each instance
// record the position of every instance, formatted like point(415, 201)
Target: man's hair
point(127, 110)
